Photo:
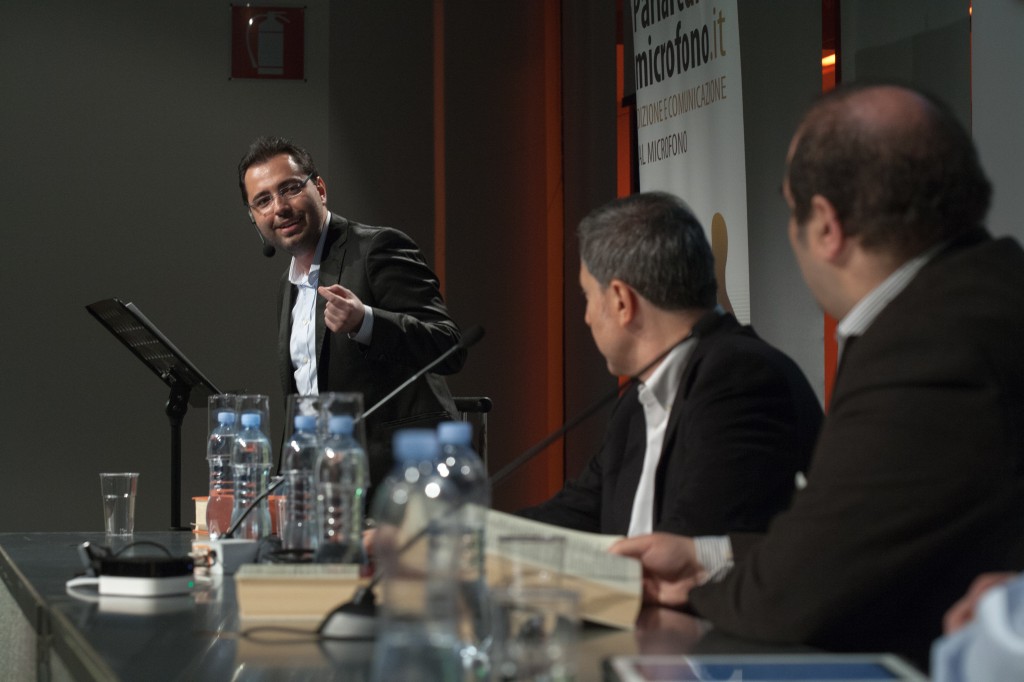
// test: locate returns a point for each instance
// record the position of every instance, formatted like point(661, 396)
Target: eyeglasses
point(264, 202)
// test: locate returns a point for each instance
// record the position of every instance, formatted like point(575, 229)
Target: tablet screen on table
point(761, 668)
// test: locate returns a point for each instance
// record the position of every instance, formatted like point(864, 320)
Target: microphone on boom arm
point(471, 337)
point(355, 618)
point(558, 433)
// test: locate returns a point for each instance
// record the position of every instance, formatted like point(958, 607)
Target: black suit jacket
point(411, 328)
point(743, 423)
point(917, 482)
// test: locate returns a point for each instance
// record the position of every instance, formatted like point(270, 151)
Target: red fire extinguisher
point(265, 42)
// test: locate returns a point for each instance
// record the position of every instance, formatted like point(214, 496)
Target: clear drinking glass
point(333, 404)
point(296, 405)
point(536, 634)
point(118, 491)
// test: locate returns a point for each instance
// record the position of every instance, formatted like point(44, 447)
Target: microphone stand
point(355, 619)
point(362, 606)
point(552, 437)
point(472, 335)
point(274, 485)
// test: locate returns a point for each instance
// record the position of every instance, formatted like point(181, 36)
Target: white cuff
point(365, 332)
point(714, 552)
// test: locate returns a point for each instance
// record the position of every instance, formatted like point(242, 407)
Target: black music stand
point(188, 385)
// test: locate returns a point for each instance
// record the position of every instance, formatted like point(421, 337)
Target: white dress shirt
point(656, 396)
point(302, 343)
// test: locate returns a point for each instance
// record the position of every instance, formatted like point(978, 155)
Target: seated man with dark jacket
point(918, 473)
point(712, 434)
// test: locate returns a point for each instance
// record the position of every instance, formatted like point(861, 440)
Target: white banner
point(689, 109)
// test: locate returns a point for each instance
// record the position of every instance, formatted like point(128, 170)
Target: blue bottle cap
point(251, 419)
point(341, 424)
point(225, 417)
point(455, 433)
point(412, 445)
point(305, 422)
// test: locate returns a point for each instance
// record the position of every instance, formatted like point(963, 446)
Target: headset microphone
point(268, 249)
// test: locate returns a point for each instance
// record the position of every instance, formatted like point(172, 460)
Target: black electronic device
point(122, 574)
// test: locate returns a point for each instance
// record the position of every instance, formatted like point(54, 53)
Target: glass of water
point(119, 502)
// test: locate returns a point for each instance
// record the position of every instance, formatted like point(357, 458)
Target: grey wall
point(925, 43)
point(997, 91)
point(381, 116)
point(120, 132)
point(779, 38)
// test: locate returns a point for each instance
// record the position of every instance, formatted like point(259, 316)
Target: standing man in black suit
point(917, 480)
point(712, 436)
point(359, 309)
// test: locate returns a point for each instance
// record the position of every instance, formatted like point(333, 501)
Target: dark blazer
point(917, 482)
point(411, 328)
point(743, 423)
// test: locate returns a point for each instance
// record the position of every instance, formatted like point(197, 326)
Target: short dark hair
point(899, 186)
point(654, 243)
point(263, 149)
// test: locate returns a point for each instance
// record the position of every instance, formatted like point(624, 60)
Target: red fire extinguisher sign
point(267, 42)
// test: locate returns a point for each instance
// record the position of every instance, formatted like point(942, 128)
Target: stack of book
point(609, 585)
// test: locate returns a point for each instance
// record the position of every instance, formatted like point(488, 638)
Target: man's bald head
point(900, 170)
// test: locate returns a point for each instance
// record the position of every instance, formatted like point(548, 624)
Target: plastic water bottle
point(250, 463)
point(341, 481)
point(417, 636)
point(461, 465)
point(301, 532)
point(219, 448)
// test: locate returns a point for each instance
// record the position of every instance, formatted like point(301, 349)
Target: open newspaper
point(609, 585)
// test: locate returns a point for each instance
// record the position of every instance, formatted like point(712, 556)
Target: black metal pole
point(177, 406)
